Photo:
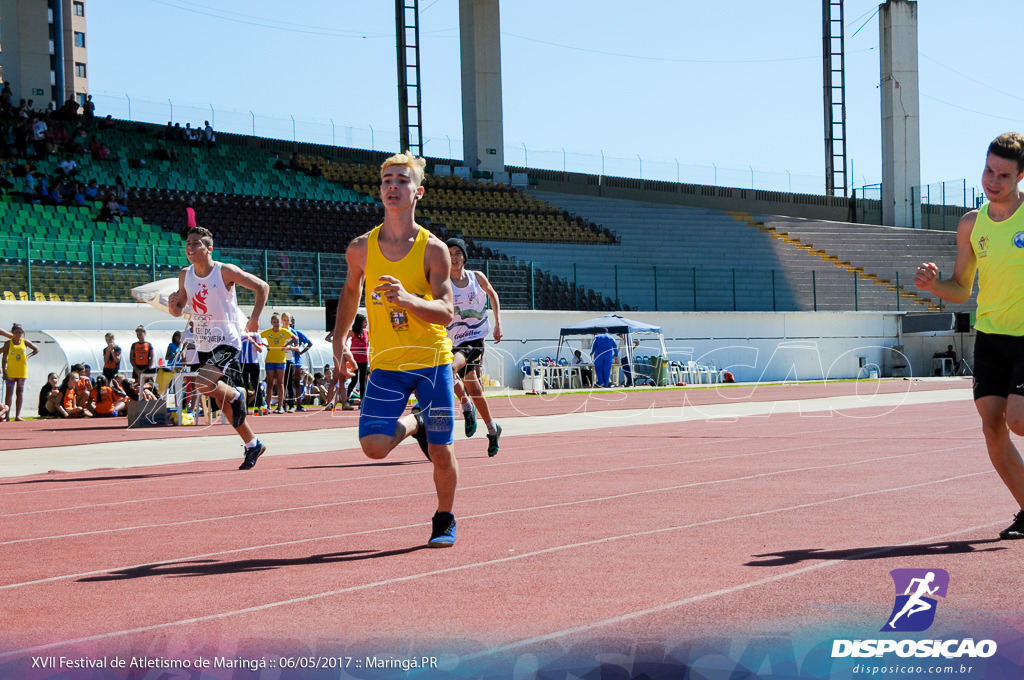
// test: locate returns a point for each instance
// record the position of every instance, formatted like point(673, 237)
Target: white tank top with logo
point(216, 318)
point(470, 321)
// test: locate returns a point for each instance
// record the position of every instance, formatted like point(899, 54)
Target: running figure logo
point(914, 609)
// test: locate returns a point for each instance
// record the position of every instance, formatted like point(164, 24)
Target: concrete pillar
point(901, 121)
point(480, 42)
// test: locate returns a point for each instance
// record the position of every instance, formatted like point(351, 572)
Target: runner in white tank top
point(216, 318)
point(468, 329)
point(208, 287)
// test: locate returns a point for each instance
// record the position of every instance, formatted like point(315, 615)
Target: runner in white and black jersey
point(467, 331)
point(208, 287)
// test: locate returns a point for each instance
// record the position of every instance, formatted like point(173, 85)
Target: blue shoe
point(443, 533)
point(238, 409)
point(252, 454)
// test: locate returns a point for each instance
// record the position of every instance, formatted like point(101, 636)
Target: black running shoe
point(492, 441)
point(252, 454)
point(442, 534)
point(470, 417)
point(238, 409)
point(421, 431)
point(1015, 530)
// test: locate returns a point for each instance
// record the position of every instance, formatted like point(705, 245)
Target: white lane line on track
point(420, 463)
point(163, 477)
point(722, 592)
point(587, 473)
point(505, 560)
point(549, 506)
point(209, 448)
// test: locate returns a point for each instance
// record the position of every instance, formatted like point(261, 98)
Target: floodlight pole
point(410, 118)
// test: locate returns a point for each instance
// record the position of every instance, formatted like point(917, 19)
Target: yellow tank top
point(276, 340)
point(17, 359)
point(999, 248)
point(400, 340)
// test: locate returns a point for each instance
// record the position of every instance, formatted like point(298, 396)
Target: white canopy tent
point(616, 325)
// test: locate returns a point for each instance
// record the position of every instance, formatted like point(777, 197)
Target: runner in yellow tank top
point(990, 242)
point(15, 355)
point(408, 305)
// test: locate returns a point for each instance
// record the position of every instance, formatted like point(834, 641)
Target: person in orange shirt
point(69, 407)
point(141, 353)
point(104, 399)
point(111, 358)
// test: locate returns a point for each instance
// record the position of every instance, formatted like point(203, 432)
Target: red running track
point(611, 538)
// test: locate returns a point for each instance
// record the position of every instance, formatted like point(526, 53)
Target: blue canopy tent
point(616, 325)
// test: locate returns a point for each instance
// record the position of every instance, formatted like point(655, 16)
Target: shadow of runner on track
point(788, 557)
point(214, 567)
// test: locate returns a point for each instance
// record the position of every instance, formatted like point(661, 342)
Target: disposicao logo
point(916, 598)
point(917, 591)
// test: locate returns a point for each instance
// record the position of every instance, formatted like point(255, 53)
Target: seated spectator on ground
point(103, 399)
point(84, 386)
point(50, 392)
point(68, 407)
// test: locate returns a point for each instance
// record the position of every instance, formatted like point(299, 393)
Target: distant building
point(43, 50)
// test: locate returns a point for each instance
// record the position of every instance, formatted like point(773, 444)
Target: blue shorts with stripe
point(387, 395)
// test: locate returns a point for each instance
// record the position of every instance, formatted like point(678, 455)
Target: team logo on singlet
point(983, 246)
point(199, 299)
point(399, 319)
point(1018, 239)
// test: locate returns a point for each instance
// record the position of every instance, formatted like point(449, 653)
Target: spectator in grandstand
point(99, 150)
point(603, 350)
point(209, 137)
point(988, 244)
point(68, 166)
point(92, 192)
point(121, 194)
point(49, 397)
point(470, 292)
point(140, 354)
point(15, 354)
point(6, 99)
point(111, 357)
point(110, 212)
point(277, 339)
point(40, 136)
point(88, 110)
point(408, 307)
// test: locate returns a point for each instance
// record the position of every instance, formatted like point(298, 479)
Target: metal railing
point(102, 271)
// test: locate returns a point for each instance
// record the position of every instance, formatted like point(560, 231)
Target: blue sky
point(727, 94)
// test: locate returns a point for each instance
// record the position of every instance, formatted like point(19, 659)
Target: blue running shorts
point(387, 395)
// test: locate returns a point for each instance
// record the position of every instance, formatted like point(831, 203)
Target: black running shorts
point(225, 359)
point(998, 365)
point(473, 350)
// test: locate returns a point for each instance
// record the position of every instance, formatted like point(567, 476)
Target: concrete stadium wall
point(754, 346)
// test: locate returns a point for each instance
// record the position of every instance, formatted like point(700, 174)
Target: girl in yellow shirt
point(15, 354)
